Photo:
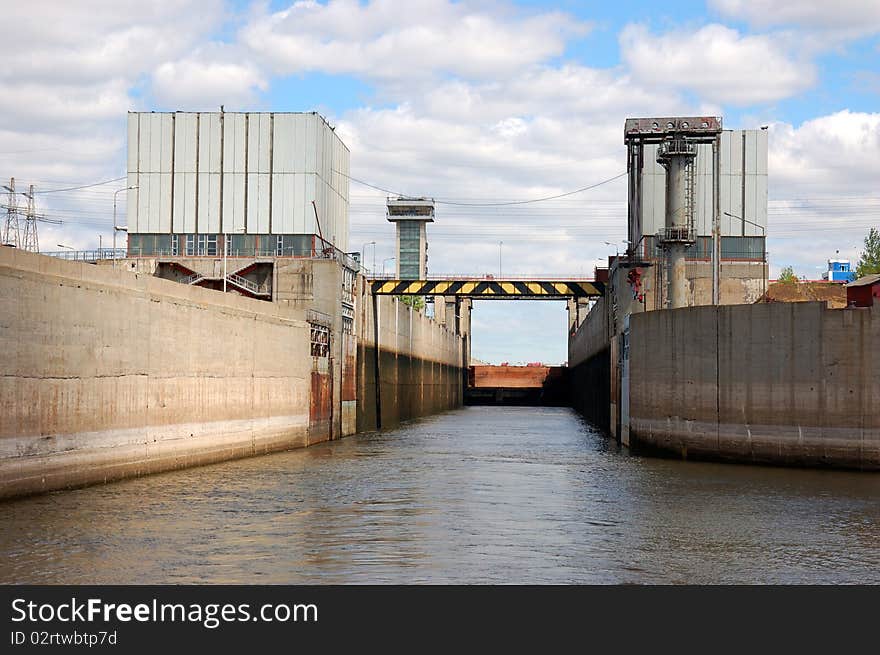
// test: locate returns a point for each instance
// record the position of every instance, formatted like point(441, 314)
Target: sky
point(469, 101)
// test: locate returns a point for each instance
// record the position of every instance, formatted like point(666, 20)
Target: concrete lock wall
point(108, 374)
point(779, 383)
point(319, 289)
point(421, 364)
point(589, 368)
point(417, 354)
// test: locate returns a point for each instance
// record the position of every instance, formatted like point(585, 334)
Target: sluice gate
point(517, 385)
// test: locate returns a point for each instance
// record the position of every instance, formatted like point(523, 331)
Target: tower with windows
point(411, 215)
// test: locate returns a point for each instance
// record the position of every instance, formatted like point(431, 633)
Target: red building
point(864, 292)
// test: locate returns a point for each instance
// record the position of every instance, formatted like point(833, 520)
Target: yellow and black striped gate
point(486, 289)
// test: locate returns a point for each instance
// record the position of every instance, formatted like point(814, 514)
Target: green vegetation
point(416, 302)
point(870, 260)
point(787, 275)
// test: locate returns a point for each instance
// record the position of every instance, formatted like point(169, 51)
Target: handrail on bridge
point(87, 255)
point(542, 277)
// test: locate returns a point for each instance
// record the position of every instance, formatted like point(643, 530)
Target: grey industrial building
point(249, 188)
point(251, 176)
point(718, 183)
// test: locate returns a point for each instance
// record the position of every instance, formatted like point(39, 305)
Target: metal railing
point(317, 249)
point(676, 147)
point(538, 277)
point(677, 234)
point(88, 255)
point(319, 318)
point(192, 279)
point(248, 285)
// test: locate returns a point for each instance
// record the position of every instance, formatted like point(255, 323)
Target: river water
point(476, 495)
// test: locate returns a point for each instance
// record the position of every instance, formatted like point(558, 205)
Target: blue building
point(839, 270)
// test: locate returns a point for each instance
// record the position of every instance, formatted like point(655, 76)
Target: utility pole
point(116, 228)
point(500, 243)
point(30, 242)
point(716, 219)
point(10, 229)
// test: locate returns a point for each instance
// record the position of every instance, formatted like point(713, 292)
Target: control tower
point(411, 216)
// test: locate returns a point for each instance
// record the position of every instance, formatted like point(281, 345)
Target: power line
point(526, 202)
point(83, 186)
point(487, 204)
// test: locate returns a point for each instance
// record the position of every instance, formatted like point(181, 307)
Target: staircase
point(247, 285)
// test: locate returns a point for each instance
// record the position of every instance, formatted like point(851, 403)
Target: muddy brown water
point(476, 495)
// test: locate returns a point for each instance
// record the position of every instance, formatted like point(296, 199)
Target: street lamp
point(384, 261)
point(364, 252)
point(616, 247)
point(763, 244)
point(745, 220)
point(117, 228)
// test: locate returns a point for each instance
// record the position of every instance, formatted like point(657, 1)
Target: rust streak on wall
point(320, 409)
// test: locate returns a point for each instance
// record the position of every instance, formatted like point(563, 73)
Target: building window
point(190, 245)
point(410, 250)
point(175, 245)
point(348, 285)
point(319, 340)
point(211, 245)
point(134, 244)
point(279, 246)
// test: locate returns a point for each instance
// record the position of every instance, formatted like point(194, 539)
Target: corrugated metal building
point(250, 176)
point(743, 194)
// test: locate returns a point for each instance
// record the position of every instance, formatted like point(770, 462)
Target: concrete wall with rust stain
point(110, 374)
point(793, 384)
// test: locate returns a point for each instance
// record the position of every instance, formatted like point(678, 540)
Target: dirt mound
point(831, 292)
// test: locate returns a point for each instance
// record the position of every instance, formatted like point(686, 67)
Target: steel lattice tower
point(30, 242)
point(10, 236)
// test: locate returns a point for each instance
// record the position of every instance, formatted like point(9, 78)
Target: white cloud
point(716, 62)
point(856, 16)
point(392, 40)
point(90, 41)
point(834, 154)
point(204, 81)
point(75, 107)
point(825, 172)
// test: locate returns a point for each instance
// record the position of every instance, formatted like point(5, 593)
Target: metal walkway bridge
point(487, 288)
